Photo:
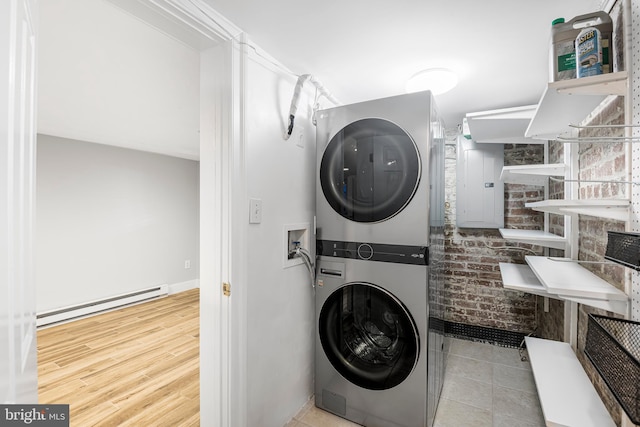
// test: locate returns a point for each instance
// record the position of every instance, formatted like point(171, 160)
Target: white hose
point(296, 99)
point(306, 258)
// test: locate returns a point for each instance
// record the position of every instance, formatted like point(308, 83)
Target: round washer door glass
point(368, 336)
point(370, 170)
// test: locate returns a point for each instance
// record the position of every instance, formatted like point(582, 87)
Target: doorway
point(216, 46)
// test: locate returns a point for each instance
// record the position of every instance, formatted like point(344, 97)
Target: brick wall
point(473, 285)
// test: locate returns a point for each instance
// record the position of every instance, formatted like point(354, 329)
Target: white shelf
point(564, 277)
point(617, 209)
point(566, 394)
point(568, 102)
point(504, 126)
point(534, 237)
point(520, 277)
point(616, 306)
point(531, 174)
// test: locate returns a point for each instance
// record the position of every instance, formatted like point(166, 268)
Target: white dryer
point(373, 169)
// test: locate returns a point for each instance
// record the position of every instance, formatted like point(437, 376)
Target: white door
point(18, 370)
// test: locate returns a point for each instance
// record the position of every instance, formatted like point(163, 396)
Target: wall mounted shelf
point(534, 237)
point(615, 306)
point(520, 277)
point(617, 209)
point(531, 174)
point(562, 276)
point(568, 102)
point(503, 126)
point(567, 396)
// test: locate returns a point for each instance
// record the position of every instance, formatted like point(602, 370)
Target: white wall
point(107, 77)
point(280, 324)
point(111, 220)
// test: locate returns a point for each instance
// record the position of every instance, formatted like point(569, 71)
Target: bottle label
point(567, 62)
point(589, 52)
point(565, 52)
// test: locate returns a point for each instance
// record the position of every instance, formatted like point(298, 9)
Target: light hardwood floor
point(137, 366)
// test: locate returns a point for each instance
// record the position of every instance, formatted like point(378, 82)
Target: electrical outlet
point(187, 264)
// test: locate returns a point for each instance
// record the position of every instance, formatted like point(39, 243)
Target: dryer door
point(370, 170)
point(368, 336)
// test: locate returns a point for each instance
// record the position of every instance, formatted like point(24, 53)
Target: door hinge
point(226, 289)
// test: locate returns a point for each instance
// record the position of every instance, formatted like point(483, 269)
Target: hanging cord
point(296, 99)
point(306, 258)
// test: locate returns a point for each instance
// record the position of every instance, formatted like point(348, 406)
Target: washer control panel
point(399, 254)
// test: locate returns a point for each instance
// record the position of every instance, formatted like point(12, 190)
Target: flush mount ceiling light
point(437, 80)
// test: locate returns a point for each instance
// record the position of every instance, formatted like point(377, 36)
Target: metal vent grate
point(484, 334)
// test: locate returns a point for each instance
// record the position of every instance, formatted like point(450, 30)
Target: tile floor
point(484, 386)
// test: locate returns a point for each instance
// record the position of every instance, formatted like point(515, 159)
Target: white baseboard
point(90, 308)
point(184, 286)
point(78, 311)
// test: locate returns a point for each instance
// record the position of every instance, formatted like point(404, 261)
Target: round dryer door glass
point(370, 170)
point(368, 336)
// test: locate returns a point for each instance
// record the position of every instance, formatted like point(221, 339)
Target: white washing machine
point(372, 336)
point(373, 169)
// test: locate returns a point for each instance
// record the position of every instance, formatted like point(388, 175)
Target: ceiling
point(111, 87)
point(367, 49)
point(133, 88)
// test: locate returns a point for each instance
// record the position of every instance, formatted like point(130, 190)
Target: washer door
point(368, 336)
point(370, 170)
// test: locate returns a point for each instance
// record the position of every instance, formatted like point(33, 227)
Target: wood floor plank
point(102, 411)
point(63, 392)
point(51, 380)
point(176, 362)
point(168, 413)
point(123, 335)
point(146, 402)
point(134, 366)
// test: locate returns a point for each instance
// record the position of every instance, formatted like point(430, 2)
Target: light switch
point(255, 211)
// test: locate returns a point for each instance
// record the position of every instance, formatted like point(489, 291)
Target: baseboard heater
point(99, 306)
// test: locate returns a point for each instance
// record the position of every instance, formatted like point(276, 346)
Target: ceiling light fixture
point(437, 80)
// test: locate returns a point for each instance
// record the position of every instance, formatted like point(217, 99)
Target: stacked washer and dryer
point(380, 246)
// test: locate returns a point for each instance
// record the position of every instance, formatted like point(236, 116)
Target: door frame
point(222, 49)
point(222, 189)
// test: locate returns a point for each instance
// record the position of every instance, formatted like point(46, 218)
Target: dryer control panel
point(399, 254)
